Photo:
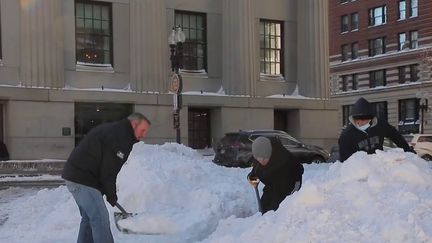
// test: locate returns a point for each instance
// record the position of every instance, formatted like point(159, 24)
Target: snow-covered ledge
point(1, 62)
point(272, 78)
point(194, 73)
point(92, 67)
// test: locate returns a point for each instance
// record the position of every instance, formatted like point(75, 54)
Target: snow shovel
point(120, 216)
point(124, 215)
point(258, 198)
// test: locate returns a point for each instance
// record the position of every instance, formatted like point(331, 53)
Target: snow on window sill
point(355, 30)
point(92, 67)
point(371, 26)
point(344, 32)
point(1, 62)
point(194, 73)
point(270, 77)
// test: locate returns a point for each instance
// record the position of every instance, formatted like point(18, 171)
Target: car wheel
point(317, 160)
point(427, 157)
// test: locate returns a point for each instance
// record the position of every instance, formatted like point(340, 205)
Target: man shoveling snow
point(278, 169)
point(91, 172)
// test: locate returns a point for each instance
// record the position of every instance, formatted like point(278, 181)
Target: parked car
point(422, 144)
point(235, 149)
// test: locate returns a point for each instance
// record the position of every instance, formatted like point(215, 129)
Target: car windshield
point(229, 139)
point(253, 137)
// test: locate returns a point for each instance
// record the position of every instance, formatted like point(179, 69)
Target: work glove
point(253, 181)
point(112, 200)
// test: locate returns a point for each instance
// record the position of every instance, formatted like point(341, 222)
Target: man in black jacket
point(277, 168)
point(366, 132)
point(91, 172)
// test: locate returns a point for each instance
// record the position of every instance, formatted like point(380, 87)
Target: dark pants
point(274, 194)
point(95, 225)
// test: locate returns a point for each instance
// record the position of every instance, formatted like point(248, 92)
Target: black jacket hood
point(362, 109)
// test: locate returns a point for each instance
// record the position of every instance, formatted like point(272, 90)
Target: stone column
point(148, 45)
point(313, 48)
point(41, 42)
point(238, 41)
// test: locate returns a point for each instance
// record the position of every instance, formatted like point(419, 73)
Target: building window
point(402, 74)
point(354, 50)
point(346, 112)
point(90, 115)
point(413, 39)
point(195, 47)
point(344, 83)
point(380, 109)
point(414, 71)
point(355, 81)
point(344, 51)
point(414, 8)
point(199, 128)
point(402, 9)
point(402, 41)
point(271, 47)
point(93, 33)
point(377, 78)
point(344, 23)
point(354, 21)
point(377, 46)
point(377, 16)
point(408, 115)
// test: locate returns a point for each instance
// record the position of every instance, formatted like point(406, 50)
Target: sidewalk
point(31, 173)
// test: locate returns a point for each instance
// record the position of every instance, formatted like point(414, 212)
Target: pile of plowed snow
point(385, 197)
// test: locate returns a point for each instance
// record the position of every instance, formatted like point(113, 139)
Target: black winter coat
point(352, 139)
point(98, 158)
point(279, 175)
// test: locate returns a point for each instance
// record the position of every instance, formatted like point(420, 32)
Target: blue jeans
point(95, 225)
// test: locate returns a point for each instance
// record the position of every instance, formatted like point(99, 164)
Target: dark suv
point(235, 149)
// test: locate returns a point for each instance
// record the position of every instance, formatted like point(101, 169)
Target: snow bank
point(386, 197)
point(173, 189)
point(176, 190)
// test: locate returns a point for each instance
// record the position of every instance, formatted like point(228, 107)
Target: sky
point(182, 195)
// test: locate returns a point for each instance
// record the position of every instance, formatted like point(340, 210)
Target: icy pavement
point(385, 197)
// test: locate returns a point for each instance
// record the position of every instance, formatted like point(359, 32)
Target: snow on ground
point(386, 197)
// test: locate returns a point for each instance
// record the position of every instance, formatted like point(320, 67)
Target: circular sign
point(176, 83)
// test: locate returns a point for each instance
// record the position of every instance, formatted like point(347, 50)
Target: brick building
point(381, 50)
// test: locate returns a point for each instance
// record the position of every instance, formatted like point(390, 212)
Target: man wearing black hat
point(277, 168)
point(366, 132)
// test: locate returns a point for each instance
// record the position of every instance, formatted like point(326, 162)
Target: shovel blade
point(120, 216)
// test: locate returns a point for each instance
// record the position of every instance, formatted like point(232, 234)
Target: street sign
point(176, 83)
point(177, 101)
point(176, 120)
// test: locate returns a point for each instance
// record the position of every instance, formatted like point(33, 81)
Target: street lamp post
point(175, 41)
point(423, 107)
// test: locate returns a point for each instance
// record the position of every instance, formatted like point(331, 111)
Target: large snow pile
point(386, 197)
point(174, 190)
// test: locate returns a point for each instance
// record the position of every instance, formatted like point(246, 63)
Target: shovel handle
point(121, 208)
point(258, 198)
